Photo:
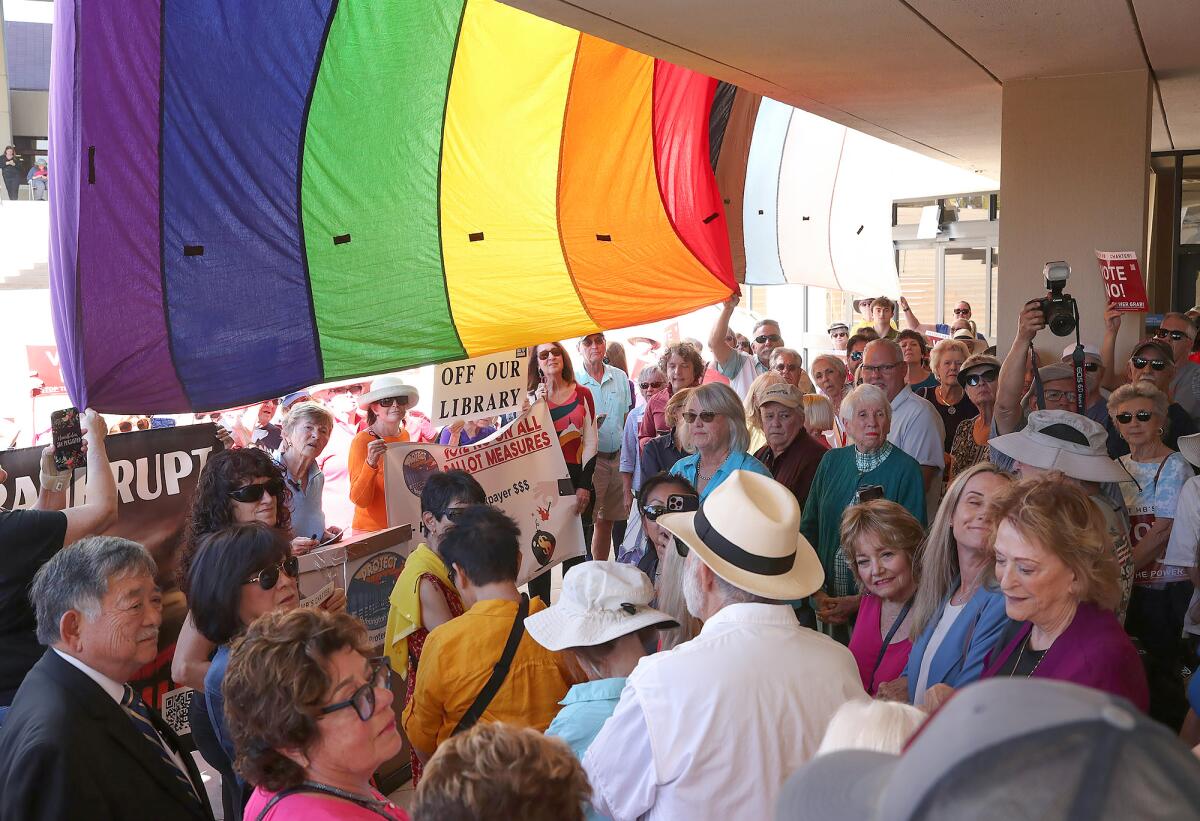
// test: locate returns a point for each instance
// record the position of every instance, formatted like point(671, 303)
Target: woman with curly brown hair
point(311, 716)
point(684, 369)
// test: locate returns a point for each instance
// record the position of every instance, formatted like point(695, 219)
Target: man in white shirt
point(713, 728)
point(739, 368)
point(79, 742)
point(917, 428)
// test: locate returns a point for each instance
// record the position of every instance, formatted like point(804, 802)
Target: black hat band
point(727, 550)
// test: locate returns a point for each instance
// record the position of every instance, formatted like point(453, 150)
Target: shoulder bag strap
point(499, 672)
point(887, 640)
point(308, 787)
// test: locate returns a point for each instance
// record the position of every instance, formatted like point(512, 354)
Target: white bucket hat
point(1064, 441)
point(600, 601)
point(386, 386)
point(748, 532)
point(1189, 447)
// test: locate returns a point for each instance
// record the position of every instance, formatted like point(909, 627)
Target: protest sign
point(43, 361)
point(1123, 284)
point(522, 471)
point(156, 473)
point(479, 388)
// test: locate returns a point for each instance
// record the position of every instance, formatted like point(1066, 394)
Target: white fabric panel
point(808, 173)
point(860, 219)
point(761, 195)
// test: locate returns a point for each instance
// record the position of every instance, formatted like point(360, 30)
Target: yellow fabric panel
point(500, 158)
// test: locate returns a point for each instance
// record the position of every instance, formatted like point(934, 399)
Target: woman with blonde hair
point(948, 397)
point(956, 617)
point(754, 423)
point(819, 419)
point(879, 542)
point(717, 439)
point(1053, 562)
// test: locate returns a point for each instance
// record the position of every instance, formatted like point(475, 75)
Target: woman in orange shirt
point(385, 404)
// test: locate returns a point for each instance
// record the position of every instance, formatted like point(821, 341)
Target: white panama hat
point(748, 532)
point(600, 601)
point(386, 386)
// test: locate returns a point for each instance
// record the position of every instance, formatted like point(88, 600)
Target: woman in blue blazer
point(956, 617)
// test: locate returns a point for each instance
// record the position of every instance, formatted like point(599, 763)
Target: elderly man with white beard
point(702, 731)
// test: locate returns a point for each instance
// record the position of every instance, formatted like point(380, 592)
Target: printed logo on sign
point(369, 589)
point(419, 465)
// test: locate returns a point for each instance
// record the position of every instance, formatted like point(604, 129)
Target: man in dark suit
point(78, 742)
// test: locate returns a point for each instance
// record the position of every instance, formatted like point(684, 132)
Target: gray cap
point(1006, 749)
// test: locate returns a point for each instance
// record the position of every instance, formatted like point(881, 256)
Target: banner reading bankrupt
point(522, 471)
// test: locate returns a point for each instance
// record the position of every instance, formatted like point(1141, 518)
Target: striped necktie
point(139, 713)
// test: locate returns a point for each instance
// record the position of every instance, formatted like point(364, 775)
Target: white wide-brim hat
point(600, 601)
point(748, 532)
point(386, 386)
point(1064, 441)
point(1189, 446)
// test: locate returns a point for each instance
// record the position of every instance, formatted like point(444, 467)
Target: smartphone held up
point(68, 439)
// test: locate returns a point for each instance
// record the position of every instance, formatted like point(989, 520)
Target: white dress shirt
point(712, 728)
point(116, 692)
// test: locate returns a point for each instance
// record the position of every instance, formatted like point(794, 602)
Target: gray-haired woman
point(870, 468)
point(306, 432)
point(717, 438)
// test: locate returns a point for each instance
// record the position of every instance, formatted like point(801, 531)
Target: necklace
point(1021, 653)
point(365, 801)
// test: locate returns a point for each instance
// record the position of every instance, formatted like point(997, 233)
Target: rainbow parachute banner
point(253, 197)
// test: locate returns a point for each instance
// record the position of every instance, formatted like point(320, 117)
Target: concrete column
point(1074, 179)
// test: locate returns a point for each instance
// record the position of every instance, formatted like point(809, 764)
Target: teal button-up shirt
point(584, 710)
point(611, 395)
point(740, 460)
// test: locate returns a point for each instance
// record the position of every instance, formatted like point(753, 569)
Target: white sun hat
point(386, 386)
point(748, 532)
point(1064, 441)
point(600, 601)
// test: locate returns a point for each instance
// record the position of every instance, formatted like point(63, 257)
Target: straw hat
point(386, 386)
point(1063, 441)
point(748, 532)
point(600, 601)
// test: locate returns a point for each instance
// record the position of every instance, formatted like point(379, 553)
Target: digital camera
point(1059, 308)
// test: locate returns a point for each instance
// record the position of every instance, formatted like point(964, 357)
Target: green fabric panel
point(370, 170)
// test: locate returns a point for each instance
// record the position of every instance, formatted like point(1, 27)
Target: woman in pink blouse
point(879, 539)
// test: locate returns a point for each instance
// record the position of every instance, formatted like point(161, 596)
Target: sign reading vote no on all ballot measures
point(523, 473)
point(479, 388)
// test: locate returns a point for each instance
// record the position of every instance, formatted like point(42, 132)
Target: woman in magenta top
point(879, 539)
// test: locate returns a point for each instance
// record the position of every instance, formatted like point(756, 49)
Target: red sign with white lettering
point(1123, 284)
point(43, 360)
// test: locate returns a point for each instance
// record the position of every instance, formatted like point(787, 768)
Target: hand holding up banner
point(1123, 283)
point(523, 473)
point(480, 388)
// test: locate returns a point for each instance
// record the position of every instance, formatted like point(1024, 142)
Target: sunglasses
point(1141, 362)
point(1175, 336)
point(972, 380)
point(650, 385)
point(1091, 367)
point(764, 338)
point(452, 513)
point(856, 356)
point(544, 355)
point(676, 503)
point(388, 401)
point(840, 335)
point(268, 578)
point(594, 340)
point(962, 311)
point(704, 416)
point(253, 493)
point(1127, 417)
point(363, 699)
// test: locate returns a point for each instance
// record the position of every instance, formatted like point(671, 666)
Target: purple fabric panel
point(64, 194)
point(124, 333)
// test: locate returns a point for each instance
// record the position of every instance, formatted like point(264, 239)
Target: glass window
point(966, 279)
point(1189, 203)
point(918, 275)
point(991, 332)
point(909, 213)
point(971, 208)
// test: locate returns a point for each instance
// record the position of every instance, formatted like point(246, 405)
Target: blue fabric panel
point(236, 78)
point(760, 203)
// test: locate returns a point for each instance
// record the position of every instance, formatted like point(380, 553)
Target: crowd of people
point(800, 585)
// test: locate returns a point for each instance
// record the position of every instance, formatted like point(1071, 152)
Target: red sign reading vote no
point(1123, 284)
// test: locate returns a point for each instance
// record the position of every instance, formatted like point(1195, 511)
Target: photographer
point(1058, 380)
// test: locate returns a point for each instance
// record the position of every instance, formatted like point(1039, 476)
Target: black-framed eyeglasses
point(1175, 336)
point(676, 503)
point(452, 513)
point(1141, 362)
point(268, 577)
point(972, 380)
point(704, 416)
point(1126, 417)
point(254, 493)
point(654, 386)
point(388, 401)
point(363, 699)
point(856, 356)
point(782, 368)
point(762, 339)
point(885, 368)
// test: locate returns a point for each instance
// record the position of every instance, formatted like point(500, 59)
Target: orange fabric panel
point(626, 258)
